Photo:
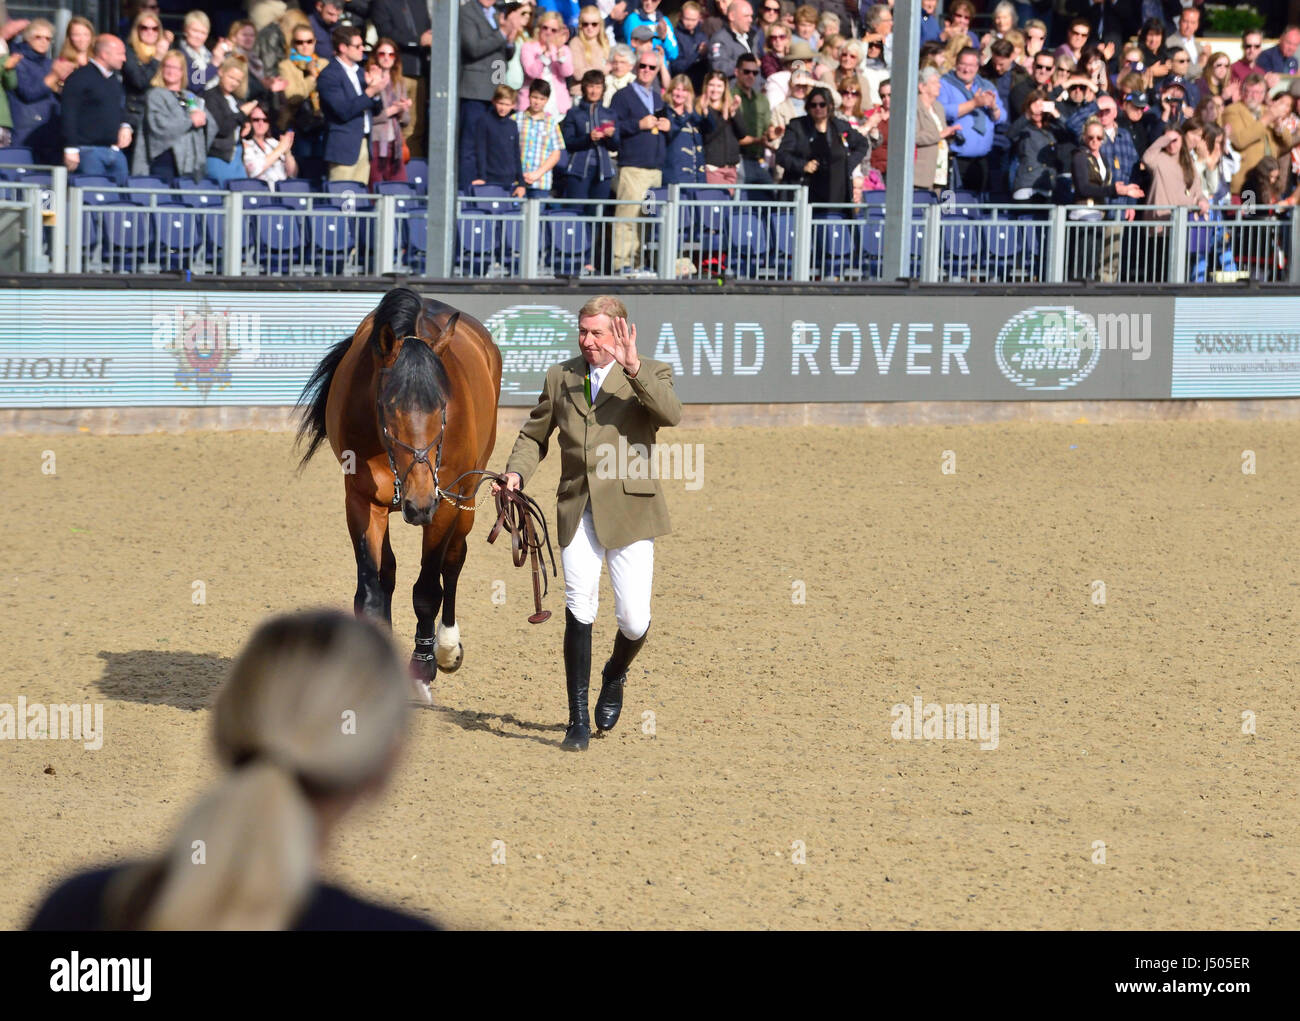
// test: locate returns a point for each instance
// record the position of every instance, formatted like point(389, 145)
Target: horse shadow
point(493, 723)
point(184, 680)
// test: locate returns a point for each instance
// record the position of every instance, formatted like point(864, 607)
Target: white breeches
point(631, 572)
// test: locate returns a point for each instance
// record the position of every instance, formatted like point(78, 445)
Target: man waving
point(608, 397)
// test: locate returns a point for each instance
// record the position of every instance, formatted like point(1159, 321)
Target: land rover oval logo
point(532, 338)
point(1048, 348)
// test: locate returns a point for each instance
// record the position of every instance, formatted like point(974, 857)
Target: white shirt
point(598, 377)
point(355, 78)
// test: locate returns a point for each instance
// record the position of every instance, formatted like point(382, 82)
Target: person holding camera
point(971, 104)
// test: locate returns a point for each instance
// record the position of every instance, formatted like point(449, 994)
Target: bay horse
point(408, 404)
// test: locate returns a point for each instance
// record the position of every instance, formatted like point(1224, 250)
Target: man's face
point(1289, 43)
point(690, 19)
point(1251, 46)
point(329, 13)
point(1078, 37)
point(593, 332)
point(885, 93)
point(114, 55)
point(1002, 64)
point(1133, 112)
point(967, 67)
point(1254, 95)
point(355, 50)
point(740, 15)
point(1172, 102)
point(746, 73)
point(929, 6)
point(1188, 22)
point(647, 66)
point(886, 23)
point(1181, 62)
point(1106, 111)
point(1044, 66)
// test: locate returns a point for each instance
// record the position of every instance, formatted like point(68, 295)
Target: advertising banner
point(196, 347)
point(1236, 347)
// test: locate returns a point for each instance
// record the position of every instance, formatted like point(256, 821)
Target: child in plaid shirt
point(540, 142)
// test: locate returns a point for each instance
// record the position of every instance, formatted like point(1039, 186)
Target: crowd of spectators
point(285, 92)
point(1119, 104)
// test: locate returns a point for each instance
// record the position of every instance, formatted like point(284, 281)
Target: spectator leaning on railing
point(176, 132)
point(95, 131)
point(34, 103)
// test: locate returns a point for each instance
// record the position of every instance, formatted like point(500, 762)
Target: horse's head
point(411, 412)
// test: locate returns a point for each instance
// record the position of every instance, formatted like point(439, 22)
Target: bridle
point(420, 456)
point(517, 513)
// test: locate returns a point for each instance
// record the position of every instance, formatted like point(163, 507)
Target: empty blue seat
point(125, 235)
point(748, 243)
point(476, 243)
point(835, 246)
point(332, 240)
point(417, 174)
point(177, 236)
point(16, 156)
point(278, 243)
point(568, 245)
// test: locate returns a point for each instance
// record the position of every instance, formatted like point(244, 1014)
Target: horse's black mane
point(417, 380)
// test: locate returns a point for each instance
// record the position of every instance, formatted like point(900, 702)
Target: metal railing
point(682, 232)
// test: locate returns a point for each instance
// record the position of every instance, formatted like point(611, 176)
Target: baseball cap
point(642, 34)
point(1175, 81)
point(1137, 99)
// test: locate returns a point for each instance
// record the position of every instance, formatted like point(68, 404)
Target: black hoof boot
point(577, 676)
point(610, 703)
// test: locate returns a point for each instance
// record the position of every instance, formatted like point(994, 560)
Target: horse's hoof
point(422, 670)
point(421, 691)
point(456, 663)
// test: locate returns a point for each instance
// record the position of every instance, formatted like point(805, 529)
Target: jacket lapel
point(615, 382)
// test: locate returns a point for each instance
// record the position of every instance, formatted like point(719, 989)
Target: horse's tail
point(312, 400)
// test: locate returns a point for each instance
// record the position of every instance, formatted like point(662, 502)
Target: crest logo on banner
point(532, 338)
point(1048, 348)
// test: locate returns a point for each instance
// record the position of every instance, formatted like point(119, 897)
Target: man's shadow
point(185, 680)
point(494, 723)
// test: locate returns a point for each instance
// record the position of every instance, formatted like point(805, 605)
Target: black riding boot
point(613, 677)
point(577, 675)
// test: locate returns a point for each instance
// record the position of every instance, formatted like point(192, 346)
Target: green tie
point(586, 386)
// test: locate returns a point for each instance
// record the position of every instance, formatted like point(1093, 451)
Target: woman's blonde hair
point(684, 82)
point(1212, 86)
point(313, 709)
point(174, 57)
point(69, 52)
point(600, 45)
point(197, 17)
point(144, 51)
point(239, 61)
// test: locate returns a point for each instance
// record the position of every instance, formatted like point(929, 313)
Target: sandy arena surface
point(1119, 723)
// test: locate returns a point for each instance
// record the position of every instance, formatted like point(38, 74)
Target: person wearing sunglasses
point(1096, 183)
point(821, 152)
point(146, 42)
point(589, 48)
point(266, 158)
point(1252, 44)
point(641, 118)
point(34, 102)
point(387, 133)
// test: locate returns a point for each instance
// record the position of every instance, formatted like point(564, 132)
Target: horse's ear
point(383, 339)
point(450, 329)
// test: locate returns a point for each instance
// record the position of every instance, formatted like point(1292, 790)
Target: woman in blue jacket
point(33, 103)
point(590, 139)
point(684, 159)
